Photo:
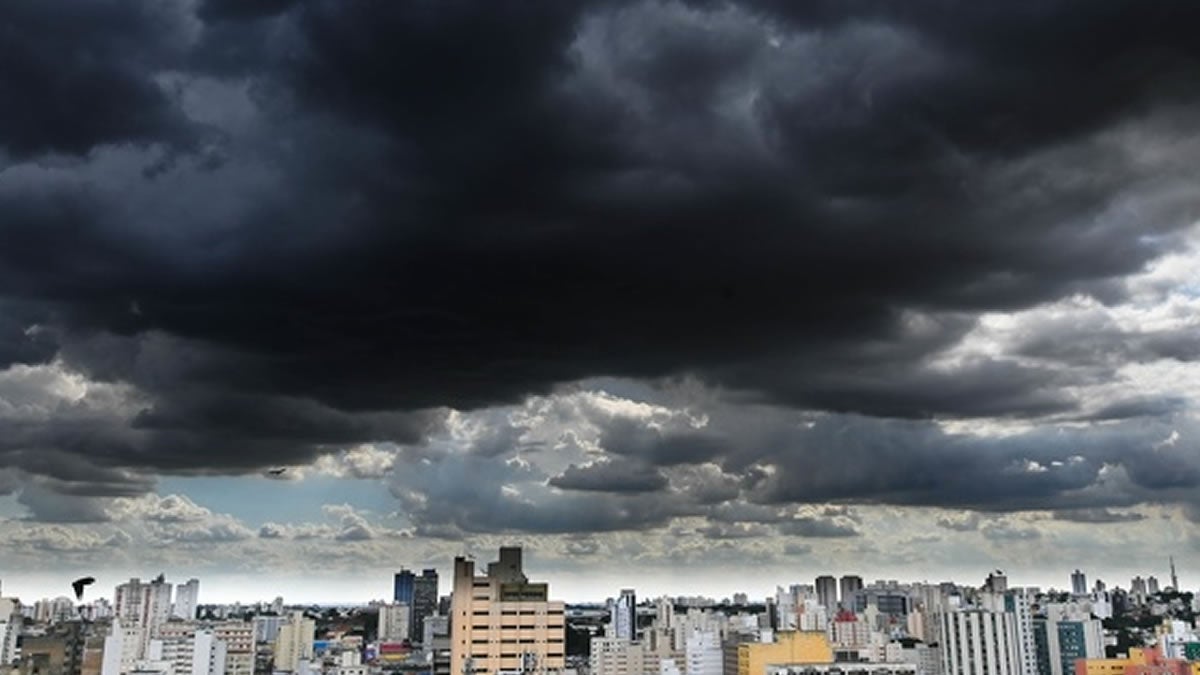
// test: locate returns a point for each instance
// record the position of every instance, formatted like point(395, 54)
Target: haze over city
point(697, 296)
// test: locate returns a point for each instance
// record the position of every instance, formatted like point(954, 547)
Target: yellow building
point(502, 622)
point(1141, 661)
point(790, 648)
point(1100, 666)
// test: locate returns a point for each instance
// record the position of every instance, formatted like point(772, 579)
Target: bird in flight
point(79, 584)
point(276, 472)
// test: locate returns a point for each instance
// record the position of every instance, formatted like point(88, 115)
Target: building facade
point(395, 622)
point(295, 642)
point(187, 596)
point(979, 642)
point(502, 622)
point(623, 617)
point(424, 603)
point(827, 592)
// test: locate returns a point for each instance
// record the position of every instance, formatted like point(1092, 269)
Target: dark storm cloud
point(19, 339)
point(79, 74)
point(435, 497)
point(619, 476)
point(400, 206)
point(241, 10)
point(1139, 407)
point(1094, 339)
point(784, 458)
point(630, 438)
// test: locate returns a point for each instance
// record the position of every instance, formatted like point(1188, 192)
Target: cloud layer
point(732, 270)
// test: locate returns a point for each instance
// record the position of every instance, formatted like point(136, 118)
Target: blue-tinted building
point(404, 583)
point(1060, 643)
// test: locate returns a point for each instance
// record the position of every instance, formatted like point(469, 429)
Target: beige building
point(295, 642)
point(619, 656)
point(238, 637)
point(502, 622)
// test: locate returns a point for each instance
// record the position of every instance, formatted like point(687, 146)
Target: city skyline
point(298, 289)
point(577, 591)
point(502, 619)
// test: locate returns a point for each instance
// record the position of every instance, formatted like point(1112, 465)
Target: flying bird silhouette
point(79, 584)
point(277, 472)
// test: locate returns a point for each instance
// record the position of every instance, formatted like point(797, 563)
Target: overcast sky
point(684, 295)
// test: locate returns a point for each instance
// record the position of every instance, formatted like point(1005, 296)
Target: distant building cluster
point(496, 621)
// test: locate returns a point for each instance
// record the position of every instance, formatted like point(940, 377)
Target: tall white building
point(123, 648)
point(1019, 603)
point(10, 629)
point(785, 608)
point(664, 612)
point(145, 605)
point(979, 642)
point(187, 596)
point(295, 642)
point(394, 622)
point(703, 654)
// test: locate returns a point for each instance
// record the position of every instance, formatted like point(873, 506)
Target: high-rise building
point(827, 596)
point(623, 616)
point(424, 602)
point(1078, 583)
point(1019, 603)
point(702, 653)
point(186, 598)
point(503, 621)
point(850, 585)
point(144, 605)
point(1174, 578)
point(1152, 585)
point(979, 642)
point(395, 622)
point(1137, 586)
point(1062, 640)
point(127, 601)
point(10, 632)
point(402, 586)
point(295, 642)
point(238, 637)
point(123, 648)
